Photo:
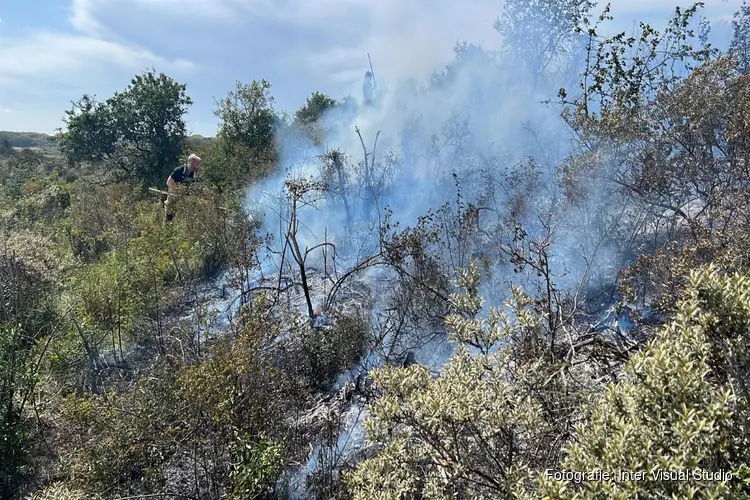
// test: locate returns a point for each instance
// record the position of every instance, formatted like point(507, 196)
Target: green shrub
point(256, 465)
point(477, 430)
point(681, 406)
point(328, 353)
point(486, 426)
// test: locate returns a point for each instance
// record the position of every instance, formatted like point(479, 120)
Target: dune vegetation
point(492, 284)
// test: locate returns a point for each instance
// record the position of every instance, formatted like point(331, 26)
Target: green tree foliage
point(681, 405)
point(91, 134)
point(245, 148)
point(246, 116)
point(740, 46)
point(315, 107)
point(308, 117)
point(139, 131)
point(626, 72)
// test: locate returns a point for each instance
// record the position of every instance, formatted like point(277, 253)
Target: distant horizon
point(54, 133)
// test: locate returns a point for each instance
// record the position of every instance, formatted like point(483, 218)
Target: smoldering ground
point(472, 158)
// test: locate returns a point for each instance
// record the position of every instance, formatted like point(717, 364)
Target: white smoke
point(481, 119)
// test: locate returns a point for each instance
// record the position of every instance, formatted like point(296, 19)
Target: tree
point(245, 148)
point(315, 108)
point(740, 46)
point(91, 134)
point(246, 117)
point(336, 174)
point(541, 33)
point(140, 131)
point(308, 117)
point(663, 125)
point(297, 191)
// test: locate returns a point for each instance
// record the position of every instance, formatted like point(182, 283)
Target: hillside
point(38, 140)
point(524, 277)
point(26, 140)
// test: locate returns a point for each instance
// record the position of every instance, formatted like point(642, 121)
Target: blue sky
point(53, 51)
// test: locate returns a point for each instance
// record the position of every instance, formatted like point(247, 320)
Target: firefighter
point(368, 89)
point(181, 176)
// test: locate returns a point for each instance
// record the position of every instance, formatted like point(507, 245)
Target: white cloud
point(453, 14)
point(288, 11)
point(48, 53)
point(83, 17)
point(46, 69)
point(218, 9)
point(403, 38)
